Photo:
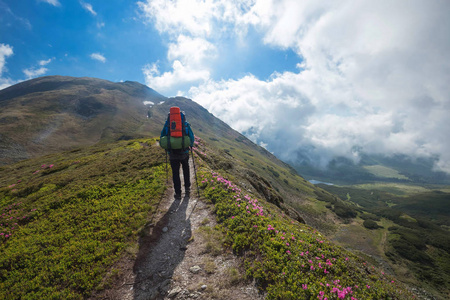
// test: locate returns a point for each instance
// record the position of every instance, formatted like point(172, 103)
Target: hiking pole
point(167, 171)
point(195, 173)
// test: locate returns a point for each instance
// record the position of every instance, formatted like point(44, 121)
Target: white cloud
point(52, 2)
point(45, 62)
point(37, 71)
point(190, 16)
point(189, 57)
point(374, 77)
point(192, 51)
point(6, 82)
point(199, 18)
point(5, 51)
point(88, 7)
point(98, 56)
point(34, 72)
point(180, 76)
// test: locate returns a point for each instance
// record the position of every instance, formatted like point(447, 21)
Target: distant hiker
point(177, 138)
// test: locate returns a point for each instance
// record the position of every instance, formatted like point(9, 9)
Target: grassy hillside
point(56, 113)
point(66, 218)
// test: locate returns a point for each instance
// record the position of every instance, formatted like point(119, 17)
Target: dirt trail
point(175, 260)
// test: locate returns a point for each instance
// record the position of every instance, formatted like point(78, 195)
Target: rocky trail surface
point(180, 257)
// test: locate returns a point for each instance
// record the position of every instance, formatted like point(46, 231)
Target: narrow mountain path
point(180, 257)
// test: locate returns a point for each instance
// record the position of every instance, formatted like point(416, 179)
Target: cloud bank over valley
point(372, 76)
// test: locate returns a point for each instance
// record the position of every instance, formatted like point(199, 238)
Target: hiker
point(177, 139)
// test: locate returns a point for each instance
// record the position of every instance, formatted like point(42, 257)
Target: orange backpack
point(177, 137)
point(175, 122)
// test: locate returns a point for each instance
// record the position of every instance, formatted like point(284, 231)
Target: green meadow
point(67, 218)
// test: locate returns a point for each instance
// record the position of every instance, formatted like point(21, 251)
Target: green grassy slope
point(66, 218)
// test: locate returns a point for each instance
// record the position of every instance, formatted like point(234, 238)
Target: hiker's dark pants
point(175, 164)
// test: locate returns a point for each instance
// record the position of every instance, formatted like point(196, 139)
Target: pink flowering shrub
point(12, 217)
point(288, 259)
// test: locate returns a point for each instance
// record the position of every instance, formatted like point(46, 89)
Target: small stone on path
point(165, 229)
point(195, 269)
point(174, 292)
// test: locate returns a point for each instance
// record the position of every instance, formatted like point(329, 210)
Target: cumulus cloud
point(374, 76)
point(37, 71)
point(193, 26)
point(88, 7)
point(5, 51)
point(99, 57)
point(189, 57)
point(193, 16)
point(34, 72)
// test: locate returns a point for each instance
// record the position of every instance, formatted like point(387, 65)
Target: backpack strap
point(169, 146)
point(183, 131)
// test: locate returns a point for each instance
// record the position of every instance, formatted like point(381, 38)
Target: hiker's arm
point(191, 134)
point(165, 130)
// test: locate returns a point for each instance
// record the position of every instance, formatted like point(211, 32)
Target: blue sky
point(113, 41)
point(324, 77)
point(68, 34)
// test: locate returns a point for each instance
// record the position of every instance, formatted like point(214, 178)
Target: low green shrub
point(344, 210)
point(369, 216)
point(370, 224)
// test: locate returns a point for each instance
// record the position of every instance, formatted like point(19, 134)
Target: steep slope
point(56, 113)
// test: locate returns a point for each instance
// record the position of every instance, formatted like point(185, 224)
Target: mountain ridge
point(57, 113)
